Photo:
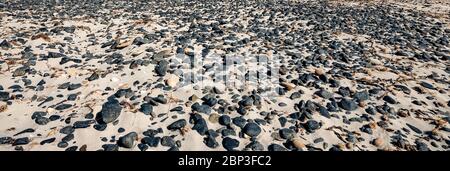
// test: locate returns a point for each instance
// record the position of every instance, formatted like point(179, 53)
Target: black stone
point(94, 76)
point(161, 68)
point(252, 129)
point(312, 125)
point(255, 146)
point(276, 147)
point(6, 140)
point(110, 147)
point(21, 141)
point(200, 126)
point(82, 124)
point(146, 108)
point(73, 86)
point(120, 130)
point(230, 143)
point(389, 99)
point(347, 104)
point(4, 96)
point(67, 130)
point(361, 96)
point(177, 124)
point(110, 111)
point(167, 141)
point(143, 147)
point(324, 94)
point(42, 120)
point(427, 85)
point(239, 121)
point(287, 133)
point(225, 120)
point(210, 142)
point(68, 137)
point(72, 148)
point(151, 141)
point(127, 140)
point(62, 144)
point(228, 132)
point(201, 108)
point(63, 106)
point(48, 141)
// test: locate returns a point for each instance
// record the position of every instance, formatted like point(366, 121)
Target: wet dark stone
point(4, 96)
point(324, 94)
point(201, 108)
point(282, 121)
point(252, 129)
point(230, 143)
point(5, 44)
point(54, 117)
point(42, 120)
point(167, 141)
point(110, 147)
point(94, 76)
point(178, 108)
point(68, 137)
point(366, 129)
point(55, 55)
point(427, 85)
point(67, 130)
point(287, 133)
point(347, 104)
point(344, 91)
point(318, 140)
point(421, 146)
point(324, 112)
point(62, 144)
point(6, 140)
point(312, 125)
point(127, 93)
point(255, 146)
point(160, 99)
point(72, 97)
point(120, 130)
point(28, 130)
point(72, 148)
point(225, 120)
point(161, 68)
point(173, 148)
point(82, 124)
point(361, 96)
point(276, 147)
point(210, 142)
point(200, 126)
point(100, 127)
point(127, 140)
point(48, 141)
point(241, 110)
point(389, 99)
point(110, 111)
point(151, 141)
point(177, 125)
point(239, 121)
point(73, 86)
point(21, 141)
point(146, 108)
point(143, 147)
point(295, 95)
point(63, 106)
point(246, 102)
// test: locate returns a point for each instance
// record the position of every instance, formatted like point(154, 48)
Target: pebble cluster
point(106, 75)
